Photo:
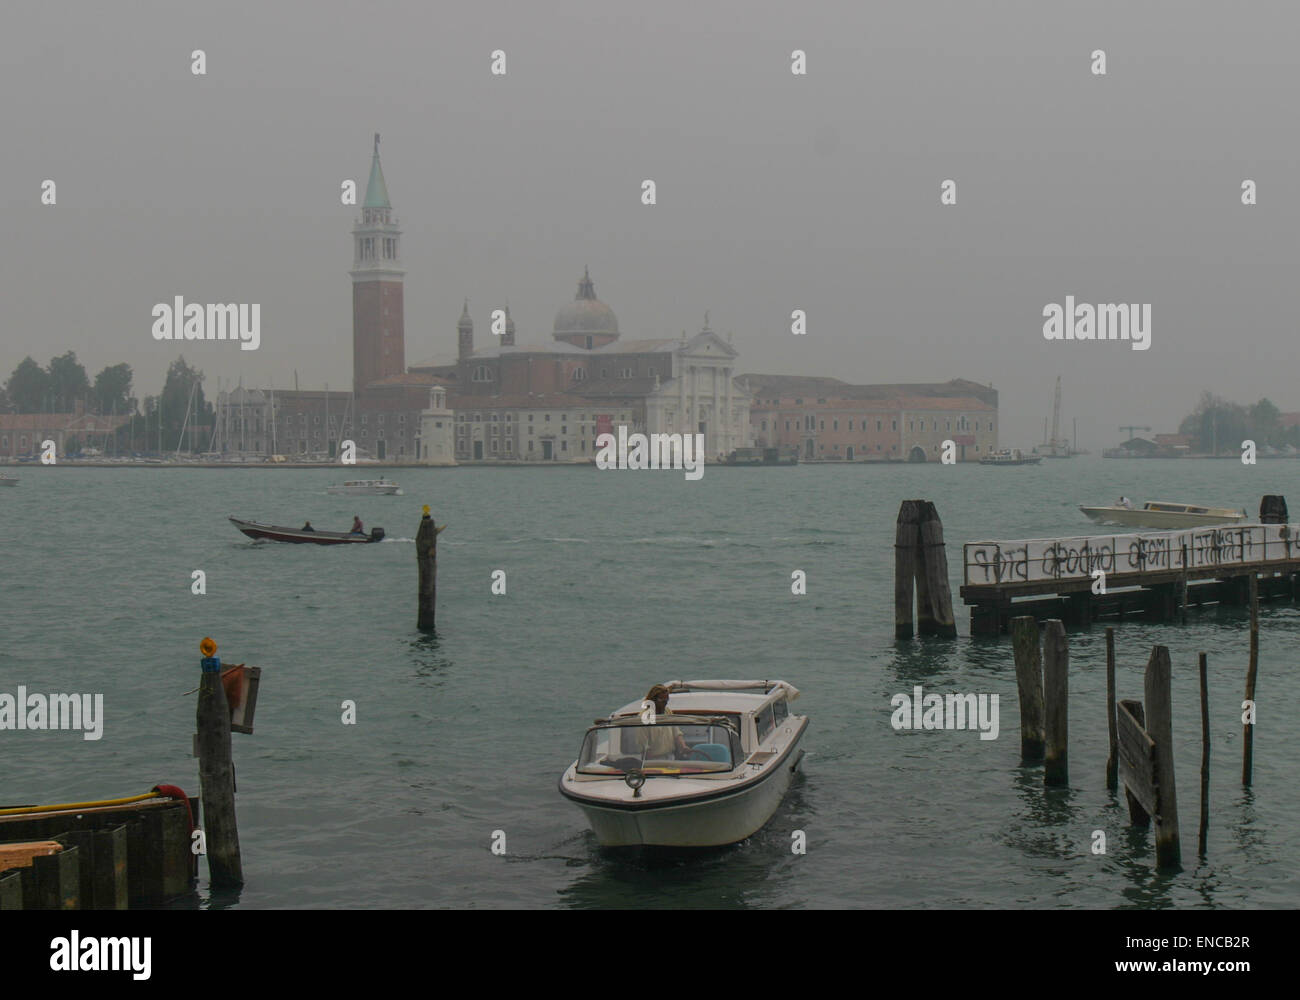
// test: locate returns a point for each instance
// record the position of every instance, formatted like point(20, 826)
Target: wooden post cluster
point(1043, 683)
point(217, 774)
point(1146, 758)
point(920, 560)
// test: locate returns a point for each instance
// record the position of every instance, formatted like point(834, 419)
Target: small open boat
point(1160, 514)
point(709, 771)
point(275, 533)
point(366, 487)
point(8, 480)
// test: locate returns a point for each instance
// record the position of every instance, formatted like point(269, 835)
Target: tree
point(68, 383)
point(182, 379)
point(27, 386)
point(1264, 423)
point(113, 389)
point(1216, 425)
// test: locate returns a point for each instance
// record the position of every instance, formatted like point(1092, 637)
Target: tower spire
point(376, 189)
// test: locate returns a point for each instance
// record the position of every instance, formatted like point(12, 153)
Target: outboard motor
point(376, 534)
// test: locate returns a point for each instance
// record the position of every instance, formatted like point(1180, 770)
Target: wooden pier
point(1155, 575)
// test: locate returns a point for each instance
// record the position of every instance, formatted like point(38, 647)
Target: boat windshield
point(664, 747)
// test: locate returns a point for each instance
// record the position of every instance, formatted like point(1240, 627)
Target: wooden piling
point(1205, 758)
point(934, 603)
point(906, 537)
point(1029, 683)
point(1112, 762)
point(1160, 726)
point(1248, 728)
point(217, 774)
point(1056, 702)
point(426, 557)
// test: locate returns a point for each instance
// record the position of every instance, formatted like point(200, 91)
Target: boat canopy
point(791, 692)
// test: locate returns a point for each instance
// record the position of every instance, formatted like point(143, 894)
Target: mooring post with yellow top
point(217, 773)
point(426, 558)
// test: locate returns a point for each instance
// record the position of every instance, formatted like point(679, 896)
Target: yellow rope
point(15, 810)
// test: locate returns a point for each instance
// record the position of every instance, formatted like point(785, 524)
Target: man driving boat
point(661, 742)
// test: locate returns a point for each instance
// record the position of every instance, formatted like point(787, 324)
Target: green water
point(617, 580)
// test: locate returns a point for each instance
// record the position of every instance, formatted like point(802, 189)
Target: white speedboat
point(709, 771)
point(367, 487)
point(1010, 456)
point(1161, 514)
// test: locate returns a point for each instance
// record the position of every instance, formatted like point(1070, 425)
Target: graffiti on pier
point(1051, 559)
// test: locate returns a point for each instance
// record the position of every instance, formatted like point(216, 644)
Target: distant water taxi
point(1161, 514)
point(367, 487)
point(1010, 456)
point(711, 770)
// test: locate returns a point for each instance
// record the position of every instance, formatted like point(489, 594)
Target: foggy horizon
point(775, 192)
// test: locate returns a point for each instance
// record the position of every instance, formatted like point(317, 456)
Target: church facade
point(548, 401)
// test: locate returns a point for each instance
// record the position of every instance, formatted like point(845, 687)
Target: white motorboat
point(1161, 514)
point(367, 487)
point(8, 480)
point(709, 771)
point(1010, 456)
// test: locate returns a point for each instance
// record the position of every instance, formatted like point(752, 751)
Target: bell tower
point(378, 330)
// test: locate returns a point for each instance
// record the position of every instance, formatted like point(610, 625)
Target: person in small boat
point(357, 527)
point(1126, 503)
point(661, 742)
point(307, 527)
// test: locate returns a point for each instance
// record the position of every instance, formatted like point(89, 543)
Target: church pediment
point(708, 344)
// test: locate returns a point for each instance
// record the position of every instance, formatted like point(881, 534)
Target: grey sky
point(775, 192)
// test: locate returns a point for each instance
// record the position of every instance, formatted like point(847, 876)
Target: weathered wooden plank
point(1029, 684)
point(109, 883)
point(1056, 704)
point(1160, 727)
point(58, 880)
point(19, 854)
point(11, 889)
point(1137, 768)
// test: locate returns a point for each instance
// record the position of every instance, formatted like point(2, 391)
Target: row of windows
point(811, 423)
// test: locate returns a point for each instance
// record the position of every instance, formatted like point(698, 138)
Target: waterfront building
point(826, 419)
point(23, 434)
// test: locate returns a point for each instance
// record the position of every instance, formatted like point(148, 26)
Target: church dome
point(586, 315)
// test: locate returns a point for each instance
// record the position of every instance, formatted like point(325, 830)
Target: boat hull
point(738, 809)
point(1168, 520)
point(275, 533)
point(364, 491)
